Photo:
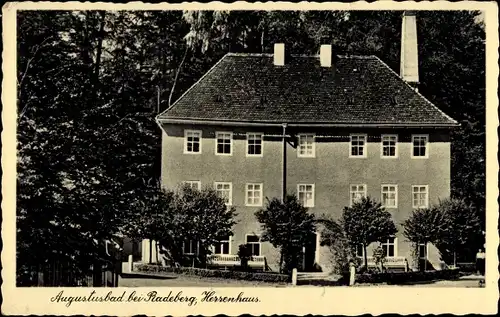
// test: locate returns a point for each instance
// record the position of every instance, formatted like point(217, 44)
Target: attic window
point(218, 98)
point(310, 99)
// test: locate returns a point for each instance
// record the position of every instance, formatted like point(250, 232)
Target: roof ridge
point(346, 56)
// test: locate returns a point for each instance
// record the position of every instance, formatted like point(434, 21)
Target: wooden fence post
point(130, 263)
point(294, 277)
point(352, 275)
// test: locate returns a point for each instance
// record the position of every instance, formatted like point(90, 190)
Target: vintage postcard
point(250, 158)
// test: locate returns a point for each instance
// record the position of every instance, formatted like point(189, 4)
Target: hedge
point(407, 277)
point(236, 275)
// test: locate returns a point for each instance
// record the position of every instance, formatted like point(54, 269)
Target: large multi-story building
point(327, 128)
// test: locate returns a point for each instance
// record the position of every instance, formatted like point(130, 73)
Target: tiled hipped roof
point(357, 90)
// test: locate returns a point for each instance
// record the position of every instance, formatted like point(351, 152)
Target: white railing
point(232, 260)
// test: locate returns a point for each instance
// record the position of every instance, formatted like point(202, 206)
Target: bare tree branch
point(177, 76)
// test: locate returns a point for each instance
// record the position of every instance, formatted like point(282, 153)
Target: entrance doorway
point(309, 254)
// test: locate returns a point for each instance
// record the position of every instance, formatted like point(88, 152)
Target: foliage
point(341, 250)
point(423, 226)
point(229, 274)
point(407, 277)
point(287, 225)
point(461, 228)
point(366, 221)
point(200, 216)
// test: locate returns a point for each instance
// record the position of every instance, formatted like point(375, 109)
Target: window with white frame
point(420, 145)
point(389, 247)
point(254, 144)
point(306, 194)
point(196, 185)
point(223, 245)
point(420, 196)
point(389, 145)
point(357, 192)
point(360, 251)
point(224, 143)
point(390, 196)
point(358, 145)
point(190, 247)
point(306, 147)
point(192, 141)
point(254, 195)
point(225, 190)
point(253, 241)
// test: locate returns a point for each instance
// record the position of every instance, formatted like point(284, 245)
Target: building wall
point(331, 170)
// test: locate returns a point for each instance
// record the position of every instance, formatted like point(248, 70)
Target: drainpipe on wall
point(283, 167)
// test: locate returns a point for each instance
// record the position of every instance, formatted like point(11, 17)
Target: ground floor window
point(190, 247)
point(389, 247)
point(254, 243)
point(223, 246)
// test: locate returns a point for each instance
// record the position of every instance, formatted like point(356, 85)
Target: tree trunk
point(281, 261)
point(425, 256)
point(365, 257)
point(454, 259)
point(150, 251)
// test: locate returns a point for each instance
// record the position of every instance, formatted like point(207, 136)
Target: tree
point(201, 216)
point(422, 227)
point(366, 221)
point(343, 253)
point(287, 225)
point(461, 228)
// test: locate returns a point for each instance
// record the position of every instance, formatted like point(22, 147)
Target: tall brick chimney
point(409, 49)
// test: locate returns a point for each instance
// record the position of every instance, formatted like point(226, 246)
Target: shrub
point(406, 277)
point(236, 275)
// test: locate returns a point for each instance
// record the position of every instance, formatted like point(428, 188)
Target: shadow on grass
point(148, 276)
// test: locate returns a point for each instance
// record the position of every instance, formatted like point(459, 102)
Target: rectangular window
point(420, 148)
point(223, 246)
point(420, 196)
point(224, 143)
point(389, 145)
point(254, 195)
point(190, 247)
point(193, 184)
point(306, 194)
point(306, 147)
point(389, 247)
point(358, 145)
point(253, 242)
point(192, 141)
point(360, 252)
point(390, 196)
point(254, 144)
point(357, 192)
point(225, 190)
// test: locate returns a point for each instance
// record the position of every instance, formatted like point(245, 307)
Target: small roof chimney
point(325, 55)
point(409, 48)
point(279, 54)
